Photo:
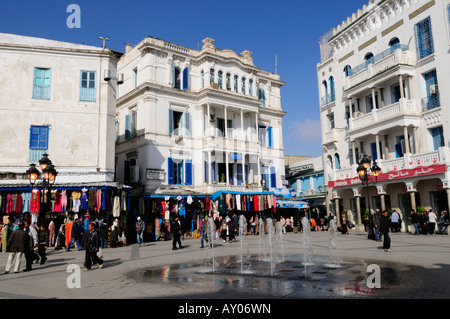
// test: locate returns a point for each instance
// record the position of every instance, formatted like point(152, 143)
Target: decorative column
point(354, 153)
point(405, 133)
point(208, 121)
point(416, 141)
point(226, 122)
point(227, 174)
point(210, 167)
point(242, 125)
point(386, 147)
point(410, 91)
point(256, 127)
point(402, 92)
point(244, 182)
point(377, 142)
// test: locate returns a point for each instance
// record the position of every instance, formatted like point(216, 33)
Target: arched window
point(228, 81)
point(332, 94)
point(369, 58)
point(325, 93)
point(211, 76)
point(186, 79)
point(203, 78)
point(262, 97)
point(236, 84)
point(250, 87)
point(337, 161)
point(330, 162)
point(395, 42)
point(220, 83)
point(243, 86)
point(176, 78)
point(347, 70)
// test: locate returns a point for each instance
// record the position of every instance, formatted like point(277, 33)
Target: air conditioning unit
point(214, 85)
point(434, 89)
point(212, 118)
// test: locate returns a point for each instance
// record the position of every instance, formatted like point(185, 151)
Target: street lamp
point(364, 171)
point(48, 179)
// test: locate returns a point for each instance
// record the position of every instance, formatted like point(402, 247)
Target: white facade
point(179, 124)
point(54, 100)
point(382, 83)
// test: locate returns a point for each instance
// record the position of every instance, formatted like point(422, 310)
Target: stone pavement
point(417, 267)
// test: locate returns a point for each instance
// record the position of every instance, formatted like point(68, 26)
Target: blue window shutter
point(270, 136)
point(188, 172)
point(246, 172)
point(273, 177)
point(206, 171)
point(187, 124)
point(230, 173)
point(127, 127)
point(213, 172)
point(39, 137)
point(239, 174)
point(170, 171)
point(170, 121)
point(186, 78)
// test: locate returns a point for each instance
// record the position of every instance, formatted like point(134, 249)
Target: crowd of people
point(425, 222)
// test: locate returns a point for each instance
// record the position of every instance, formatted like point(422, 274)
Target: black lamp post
point(48, 179)
point(364, 171)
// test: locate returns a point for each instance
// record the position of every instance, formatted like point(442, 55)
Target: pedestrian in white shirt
point(432, 218)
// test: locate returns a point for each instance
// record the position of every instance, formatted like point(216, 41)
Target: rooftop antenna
point(104, 39)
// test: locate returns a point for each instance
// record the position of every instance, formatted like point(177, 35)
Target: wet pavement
point(417, 268)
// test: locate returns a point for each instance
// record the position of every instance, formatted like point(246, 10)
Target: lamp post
point(365, 172)
point(48, 179)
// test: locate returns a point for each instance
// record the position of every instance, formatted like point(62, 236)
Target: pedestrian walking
point(231, 230)
point(415, 221)
point(43, 243)
point(432, 218)
point(140, 226)
point(30, 255)
point(203, 236)
point(104, 234)
point(176, 234)
point(17, 245)
point(376, 218)
point(92, 248)
point(395, 221)
point(385, 225)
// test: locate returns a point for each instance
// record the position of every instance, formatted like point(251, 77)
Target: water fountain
point(209, 252)
point(307, 248)
point(279, 240)
point(335, 261)
point(244, 257)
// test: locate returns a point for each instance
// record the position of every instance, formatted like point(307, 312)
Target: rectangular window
point(270, 136)
point(330, 118)
point(175, 171)
point(38, 142)
point(263, 135)
point(179, 123)
point(88, 86)
point(220, 127)
point(424, 38)
point(135, 74)
point(438, 137)
point(230, 129)
point(395, 92)
point(131, 125)
point(433, 98)
point(41, 83)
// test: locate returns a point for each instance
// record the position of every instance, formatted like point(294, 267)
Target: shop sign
point(235, 156)
point(155, 174)
point(394, 175)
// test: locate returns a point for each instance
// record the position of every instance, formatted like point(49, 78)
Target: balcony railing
point(377, 58)
point(328, 98)
point(403, 107)
point(87, 94)
point(397, 55)
point(431, 102)
point(41, 92)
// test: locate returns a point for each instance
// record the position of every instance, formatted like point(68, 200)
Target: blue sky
point(289, 30)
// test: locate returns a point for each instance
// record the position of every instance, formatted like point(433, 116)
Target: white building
point(382, 80)
point(54, 100)
point(195, 122)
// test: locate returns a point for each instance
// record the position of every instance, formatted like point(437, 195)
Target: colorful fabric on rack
point(34, 201)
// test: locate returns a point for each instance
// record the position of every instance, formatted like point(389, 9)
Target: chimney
point(128, 47)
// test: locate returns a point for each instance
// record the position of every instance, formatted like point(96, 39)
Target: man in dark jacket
point(43, 243)
point(176, 235)
point(92, 245)
point(18, 244)
point(385, 225)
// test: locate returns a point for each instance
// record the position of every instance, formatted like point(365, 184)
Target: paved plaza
point(417, 267)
